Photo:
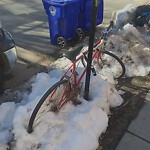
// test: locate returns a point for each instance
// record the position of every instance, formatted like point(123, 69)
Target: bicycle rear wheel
point(51, 101)
point(107, 63)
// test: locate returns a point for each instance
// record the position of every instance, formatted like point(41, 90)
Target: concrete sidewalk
point(137, 137)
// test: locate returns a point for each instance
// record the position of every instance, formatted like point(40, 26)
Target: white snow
point(76, 127)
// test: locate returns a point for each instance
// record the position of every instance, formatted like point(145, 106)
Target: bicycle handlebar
point(105, 33)
point(111, 25)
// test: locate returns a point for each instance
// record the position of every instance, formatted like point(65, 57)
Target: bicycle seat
point(71, 55)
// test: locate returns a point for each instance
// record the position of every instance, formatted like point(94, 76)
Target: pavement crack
point(138, 136)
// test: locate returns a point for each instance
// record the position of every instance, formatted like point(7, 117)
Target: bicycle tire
point(116, 58)
point(50, 91)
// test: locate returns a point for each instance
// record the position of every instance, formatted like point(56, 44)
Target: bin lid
point(60, 2)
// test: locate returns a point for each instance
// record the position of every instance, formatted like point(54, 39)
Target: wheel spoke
point(54, 97)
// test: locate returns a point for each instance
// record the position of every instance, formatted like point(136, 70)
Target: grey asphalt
point(28, 24)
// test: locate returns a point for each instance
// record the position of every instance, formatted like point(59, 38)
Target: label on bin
point(52, 10)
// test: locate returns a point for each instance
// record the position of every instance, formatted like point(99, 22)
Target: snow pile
point(130, 44)
point(72, 128)
point(124, 15)
point(7, 113)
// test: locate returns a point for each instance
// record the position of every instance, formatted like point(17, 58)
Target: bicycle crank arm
point(93, 71)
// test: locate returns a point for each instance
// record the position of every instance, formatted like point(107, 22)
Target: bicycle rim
point(109, 63)
point(51, 100)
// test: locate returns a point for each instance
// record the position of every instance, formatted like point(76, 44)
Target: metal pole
point(90, 51)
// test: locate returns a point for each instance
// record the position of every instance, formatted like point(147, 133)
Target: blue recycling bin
point(86, 13)
point(63, 19)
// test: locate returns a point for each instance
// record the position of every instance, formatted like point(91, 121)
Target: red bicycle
point(69, 86)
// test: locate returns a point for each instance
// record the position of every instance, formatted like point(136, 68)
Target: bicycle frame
point(72, 68)
point(73, 77)
point(70, 84)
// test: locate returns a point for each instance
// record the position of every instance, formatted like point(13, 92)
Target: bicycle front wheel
point(51, 101)
point(107, 63)
point(110, 63)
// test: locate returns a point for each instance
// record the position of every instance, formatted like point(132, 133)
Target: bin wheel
point(61, 42)
point(80, 33)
